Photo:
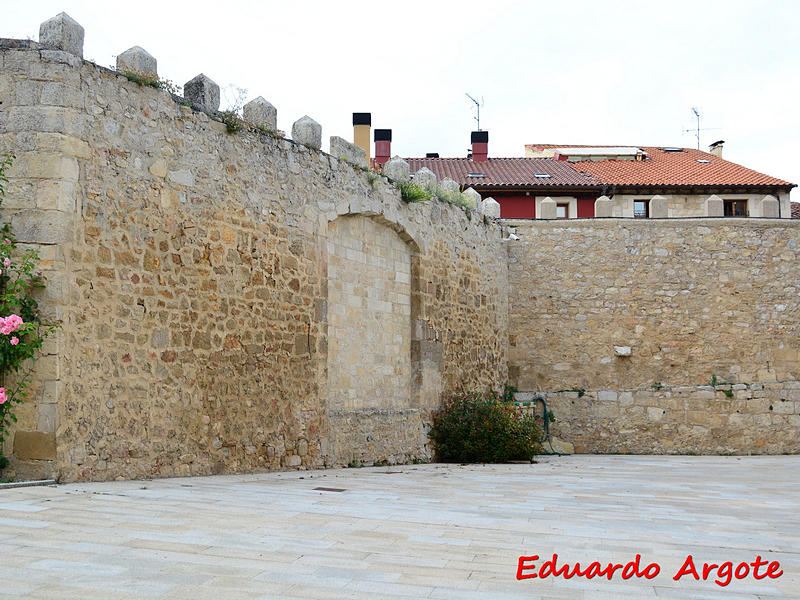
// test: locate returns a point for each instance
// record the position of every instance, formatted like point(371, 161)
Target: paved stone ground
point(427, 531)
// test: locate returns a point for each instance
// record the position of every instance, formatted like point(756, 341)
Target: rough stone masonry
point(230, 302)
point(240, 301)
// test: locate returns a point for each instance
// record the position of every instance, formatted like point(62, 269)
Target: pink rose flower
point(6, 261)
point(3, 395)
point(6, 241)
point(10, 324)
point(14, 341)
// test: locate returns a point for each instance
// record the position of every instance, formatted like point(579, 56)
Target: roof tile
point(671, 169)
point(506, 172)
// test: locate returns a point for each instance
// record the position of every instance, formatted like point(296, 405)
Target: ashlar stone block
point(35, 445)
point(261, 113)
point(397, 169)
point(202, 93)
point(137, 60)
point(715, 207)
point(62, 32)
point(491, 208)
point(770, 207)
point(603, 207)
point(658, 207)
point(449, 186)
point(425, 178)
point(308, 132)
point(471, 198)
point(548, 209)
point(341, 148)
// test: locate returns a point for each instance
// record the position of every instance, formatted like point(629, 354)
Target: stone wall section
point(756, 418)
point(692, 299)
point(369, 316)
point(623, 326)
point(41, 123)
point(192, 274)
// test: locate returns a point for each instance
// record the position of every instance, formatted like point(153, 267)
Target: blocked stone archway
point(371, 399)
point(369, 316)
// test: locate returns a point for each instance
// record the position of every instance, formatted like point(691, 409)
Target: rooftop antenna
point(478, 108)
point(697, 114)
point(696, 130)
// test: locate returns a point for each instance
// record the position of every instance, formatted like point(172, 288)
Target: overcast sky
point(577, 72)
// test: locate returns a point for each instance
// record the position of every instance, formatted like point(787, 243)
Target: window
point(562, 211)
point(735, 208)
point(641, 209)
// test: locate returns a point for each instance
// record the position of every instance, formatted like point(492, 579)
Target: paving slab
point(408, 532)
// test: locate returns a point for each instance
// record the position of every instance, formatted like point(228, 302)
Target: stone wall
point(196, 275)
point(638, 316)
point(756, 418)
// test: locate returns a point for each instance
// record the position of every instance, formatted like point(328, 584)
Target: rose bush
point(22, 330)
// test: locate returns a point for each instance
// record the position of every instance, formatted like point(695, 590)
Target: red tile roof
point(671, 169)
point(507, 172)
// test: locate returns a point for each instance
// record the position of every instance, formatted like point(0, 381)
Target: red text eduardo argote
point(722, 573)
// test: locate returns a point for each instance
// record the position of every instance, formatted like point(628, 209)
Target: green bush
point(480, 427)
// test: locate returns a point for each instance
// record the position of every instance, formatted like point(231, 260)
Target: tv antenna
point(478, 109)
point(696, 130)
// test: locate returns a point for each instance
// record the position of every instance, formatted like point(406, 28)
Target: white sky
point(585, 72)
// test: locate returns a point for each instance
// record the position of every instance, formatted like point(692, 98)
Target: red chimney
point(480, 146)
point(383, 146)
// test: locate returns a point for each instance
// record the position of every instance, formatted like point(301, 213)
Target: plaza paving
point(410, 532)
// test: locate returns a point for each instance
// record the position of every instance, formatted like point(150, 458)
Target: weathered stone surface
point(470, 198)
point(341, 148)
point(211, 280)
point(622, 350)
point(425, 178)
point(715, 207)
point(397, 169)
point(42, 226)
point(449, 185)
point(692, 298)
point(549, 209)
point(308, 132)
point(770, 207)
point(663, 419)
point(137, 60)
point(659, 207)
point(34, 445)
point(261, 113)
point(491, 208)
point(62, 32)
point(603, 207)
point(202, 93)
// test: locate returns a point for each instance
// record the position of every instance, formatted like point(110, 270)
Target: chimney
point(480, 146)
point(383, 146)
point(432, 155)
point(716, 148)
point(361, 127)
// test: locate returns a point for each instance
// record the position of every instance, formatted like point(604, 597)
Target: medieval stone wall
point(197, 275)
point(755, 418)
point(637, 316)
point(234, 301)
